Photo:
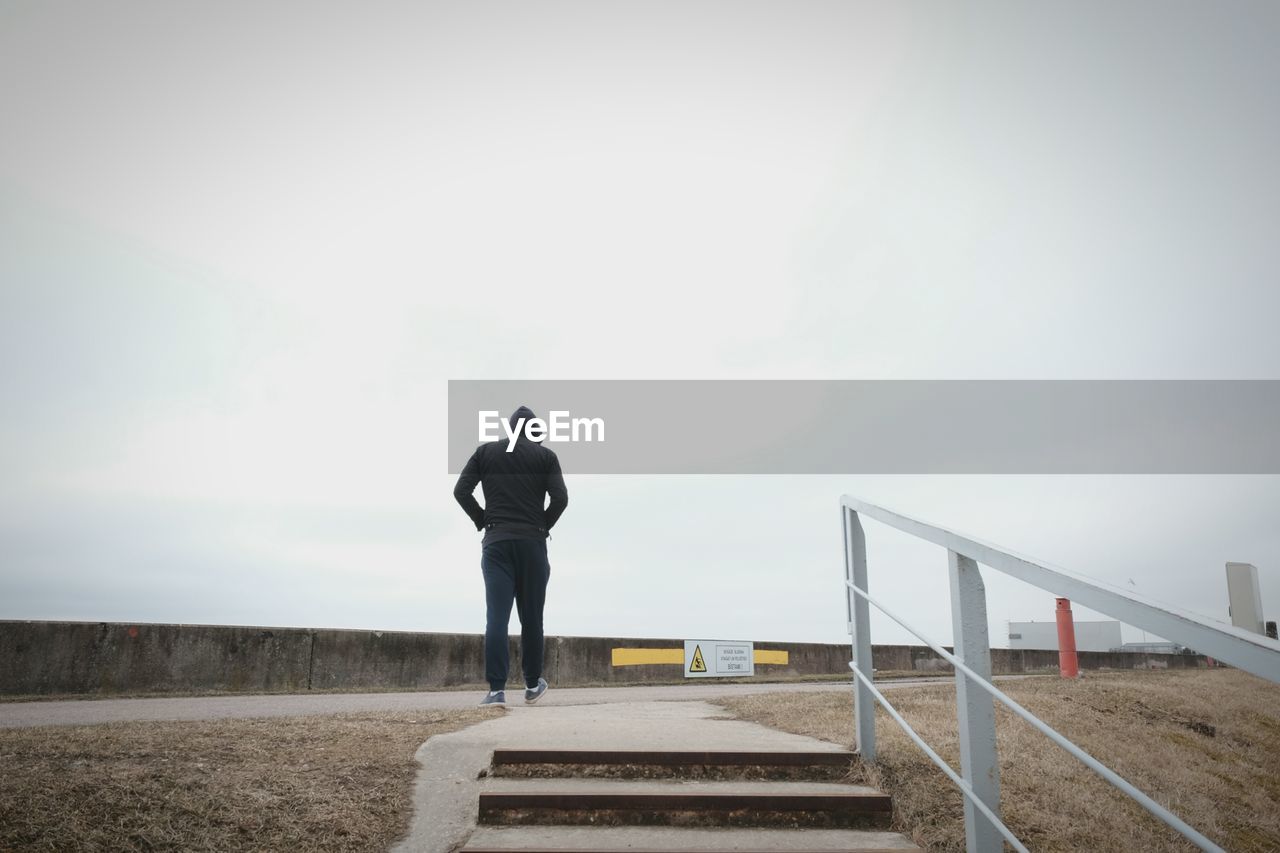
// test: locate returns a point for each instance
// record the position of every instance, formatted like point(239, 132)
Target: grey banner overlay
point(895, 427)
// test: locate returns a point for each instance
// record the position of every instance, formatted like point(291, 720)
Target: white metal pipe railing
point(964, 786)
point(1251, 652)
point(980, 781)
point(1085, 758)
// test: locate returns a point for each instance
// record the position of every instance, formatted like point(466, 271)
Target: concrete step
point(664, 839)
point(674, 763)
point(682, 803)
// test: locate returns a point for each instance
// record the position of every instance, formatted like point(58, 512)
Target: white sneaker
point(533, 694)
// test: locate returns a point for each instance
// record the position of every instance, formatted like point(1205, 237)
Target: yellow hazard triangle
point(697, 664)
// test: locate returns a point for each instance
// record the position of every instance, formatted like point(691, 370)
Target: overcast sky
point(243, 246)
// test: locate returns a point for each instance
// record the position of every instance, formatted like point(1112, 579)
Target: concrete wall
point(45, 658)
point(101, 657)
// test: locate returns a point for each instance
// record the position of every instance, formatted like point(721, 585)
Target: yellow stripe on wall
point(643, 657)
point(639, 657)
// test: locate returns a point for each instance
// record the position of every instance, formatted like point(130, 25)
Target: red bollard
point(1068, 662)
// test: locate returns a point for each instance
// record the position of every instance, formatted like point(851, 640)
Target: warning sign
point(718, 658)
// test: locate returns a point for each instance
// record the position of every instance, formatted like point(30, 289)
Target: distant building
point(1090, 636)
point(1161, 648)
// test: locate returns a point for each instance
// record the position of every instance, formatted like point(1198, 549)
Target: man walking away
point(513, 556)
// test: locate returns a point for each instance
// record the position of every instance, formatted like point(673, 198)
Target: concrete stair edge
point(661, 839)
point(769, 758)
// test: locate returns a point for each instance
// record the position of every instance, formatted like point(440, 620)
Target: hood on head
point(524, 413)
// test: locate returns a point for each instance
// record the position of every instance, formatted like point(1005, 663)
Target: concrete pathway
point(454, 768)
point(91, 711)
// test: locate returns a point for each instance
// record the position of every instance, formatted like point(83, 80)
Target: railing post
point(975, 708)
point(855, 571)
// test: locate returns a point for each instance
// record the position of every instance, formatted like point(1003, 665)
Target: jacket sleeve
point(559, 494)
point(463, 491)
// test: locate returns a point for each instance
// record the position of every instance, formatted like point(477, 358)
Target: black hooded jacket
point(515, 485)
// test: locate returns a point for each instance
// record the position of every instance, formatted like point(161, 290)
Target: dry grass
point(1205, 744)
point(340, 782)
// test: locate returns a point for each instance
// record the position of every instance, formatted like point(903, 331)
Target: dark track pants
point(515, 570)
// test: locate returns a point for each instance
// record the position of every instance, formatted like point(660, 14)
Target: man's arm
point(559, 494)
point(466, 485)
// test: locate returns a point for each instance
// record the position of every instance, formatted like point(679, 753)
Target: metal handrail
point(977, 721)
point(1085, 758)
point(965, 787)
point(1251, 652)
